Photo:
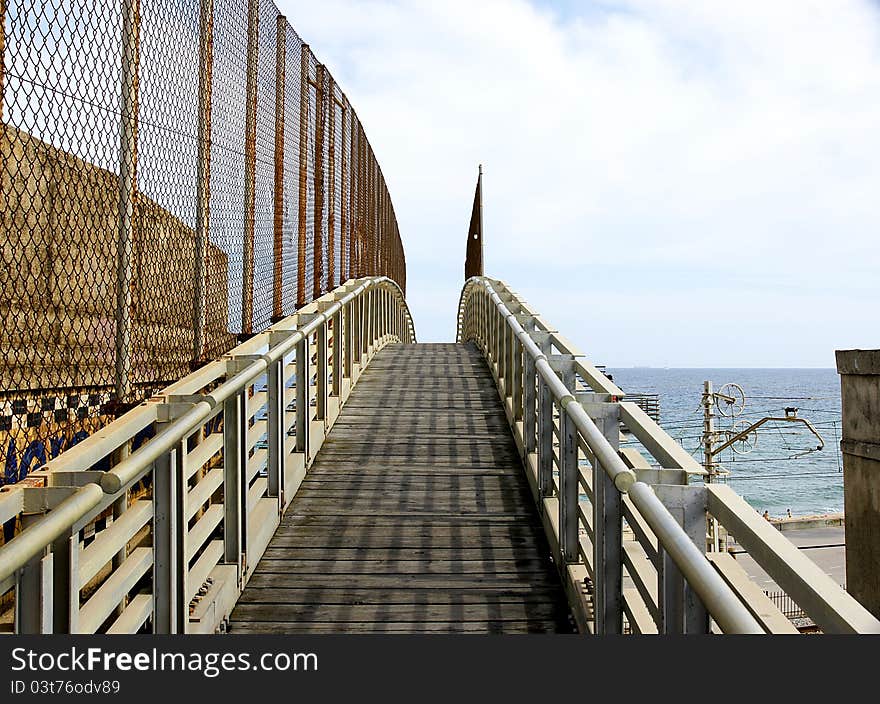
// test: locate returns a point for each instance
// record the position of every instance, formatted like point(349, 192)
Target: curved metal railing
point(162, 515)
point(565, 416)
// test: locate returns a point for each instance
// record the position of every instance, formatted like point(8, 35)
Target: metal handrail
point(722, 603)
point(724, 589)
point(15, 554)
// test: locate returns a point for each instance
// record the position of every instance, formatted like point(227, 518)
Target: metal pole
point(480, 189)
point(169, 543)
point(234, 466)
point(708, 431)
point(545, 440)
point(303, 174)
point(318, 250)
point(362, 203)
point(331, 168)
point(203, 176)
point(352, 197)
point(343, 210)
point(250, 168)
point(2, 55)
point(128, 134)
point(568, 488)
point(278, 224)
point(709, 454)
point(607, 531)
point(302, 396)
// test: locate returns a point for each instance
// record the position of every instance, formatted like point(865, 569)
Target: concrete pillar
point(860, 395)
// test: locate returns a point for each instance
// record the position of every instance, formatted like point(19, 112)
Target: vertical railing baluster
point(607, 531)
point(568, 488)
point(545, 440)
point(169, 542)
point(530, 392)
point(34, 594)
point(336, 367)
point(354, 341)
point(234, 472)
point(517, 378)
point(322, 374)
point(303, 385)
point(276, 461)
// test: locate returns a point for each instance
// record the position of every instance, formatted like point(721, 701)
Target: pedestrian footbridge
point(332, 475)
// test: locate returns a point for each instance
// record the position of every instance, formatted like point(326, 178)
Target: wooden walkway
point(416, 516)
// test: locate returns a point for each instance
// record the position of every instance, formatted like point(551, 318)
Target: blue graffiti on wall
point(35, 456)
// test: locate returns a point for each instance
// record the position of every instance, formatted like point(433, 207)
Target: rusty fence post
point(352, 196)
point(331, 168)
point(278, 205)
point(128, 137)
point(343, 209)
point(303, 174)
point(2, 55)
point(203, 176)
point(318, 248)
point(250, 168)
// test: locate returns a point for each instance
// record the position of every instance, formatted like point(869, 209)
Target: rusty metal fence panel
point(176, 174)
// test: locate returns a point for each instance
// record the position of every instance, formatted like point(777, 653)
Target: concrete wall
point(860, 393)
point(58, 229)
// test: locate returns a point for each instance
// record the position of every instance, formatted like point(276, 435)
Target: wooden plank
point(366, 553)
point(514, 610)
point(437, 536)
point(386, 581)
point(482, 627)
point(342, 593)
point(382, 564)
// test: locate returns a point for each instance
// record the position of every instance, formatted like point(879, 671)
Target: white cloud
point(650, 165)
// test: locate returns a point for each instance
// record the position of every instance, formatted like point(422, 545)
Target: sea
point(783, 472)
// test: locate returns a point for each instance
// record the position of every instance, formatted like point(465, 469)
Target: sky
point(681, 183)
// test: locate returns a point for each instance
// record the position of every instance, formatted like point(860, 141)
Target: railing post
point(303, 384)
point(44, 598)
point(367, 337)
point(509, 354)
point(338, 325)
point(545, 440)
point(530, 411)
point(34, 597)
point(321, 390)
point(517, 378)
point(347, 335)
point(681, 610)
point(234, 472)
point(276, 457)
point(499, 347)
point(170, 612)
point(607, 529)
point(568, 488)
point(355, 340)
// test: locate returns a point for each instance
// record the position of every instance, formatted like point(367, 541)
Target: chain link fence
point(176, 174)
